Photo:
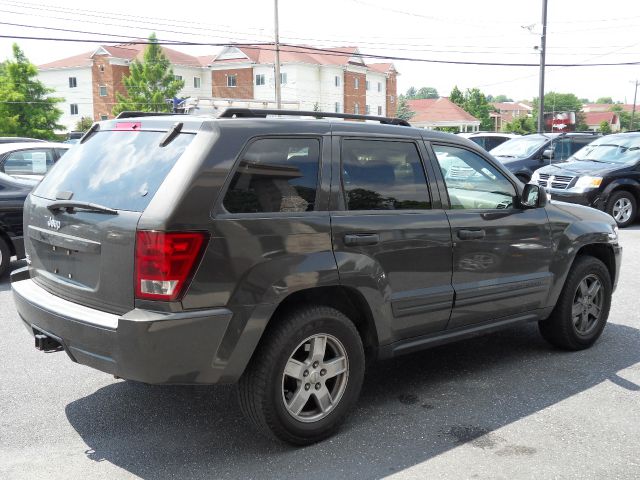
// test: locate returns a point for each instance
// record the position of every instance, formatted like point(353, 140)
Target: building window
point(367, 84)
point(73, 82)
point(177, 77)
point(196, 82)
point(356, 109)
point(260, 79)
point(336, 81)
point(101, 68)
point(103, 90)
point(283, 78)
point(379, 110)
point(356, 83)
point(379, 86)
point(73, 108)
point(338, 107)
point(367, 109)
point(391, 98)
point(104, 117)
point(232, 80)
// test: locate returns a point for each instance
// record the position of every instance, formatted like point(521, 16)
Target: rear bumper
point(147, 346)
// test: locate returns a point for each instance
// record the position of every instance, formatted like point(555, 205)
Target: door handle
point(361, 239)
point(471, 234)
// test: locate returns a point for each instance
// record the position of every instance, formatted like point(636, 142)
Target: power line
point(326, 52)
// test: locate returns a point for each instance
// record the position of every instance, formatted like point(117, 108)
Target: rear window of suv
point(116, 169)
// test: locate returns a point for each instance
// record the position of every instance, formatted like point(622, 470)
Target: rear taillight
point(165, 262)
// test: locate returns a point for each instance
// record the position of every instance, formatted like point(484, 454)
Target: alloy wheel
point(587, 307)
point(315, 378)
point(622, 210)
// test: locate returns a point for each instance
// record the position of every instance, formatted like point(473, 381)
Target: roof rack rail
point(263, 113)
point(133, 114)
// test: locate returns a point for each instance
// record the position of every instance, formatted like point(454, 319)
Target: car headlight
point(588, 182)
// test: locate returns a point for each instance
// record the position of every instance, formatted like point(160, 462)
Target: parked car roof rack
point(263, 113)
point(133, 114)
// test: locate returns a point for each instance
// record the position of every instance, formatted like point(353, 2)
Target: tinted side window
point(562, 149)
point(275, 175)
point(383, 175)
point(578, 143)
point(472, 182)
point(29, 162)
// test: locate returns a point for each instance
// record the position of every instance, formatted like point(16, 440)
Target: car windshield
point(520, 147)
point(611, 149)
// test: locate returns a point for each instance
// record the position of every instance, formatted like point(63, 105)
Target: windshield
point(116, 169)
point(611, 149)
point(520, 147)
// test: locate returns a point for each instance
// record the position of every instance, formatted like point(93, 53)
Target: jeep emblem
point(53, 223)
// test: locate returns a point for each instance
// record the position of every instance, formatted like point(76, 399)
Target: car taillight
point(164, 262)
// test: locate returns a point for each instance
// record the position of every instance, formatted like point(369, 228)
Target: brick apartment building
point(327, 79)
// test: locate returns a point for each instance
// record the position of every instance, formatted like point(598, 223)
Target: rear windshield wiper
point(71, 205)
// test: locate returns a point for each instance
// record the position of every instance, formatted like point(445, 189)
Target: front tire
point(305, 376)
point(582, 309)
point(622, 206)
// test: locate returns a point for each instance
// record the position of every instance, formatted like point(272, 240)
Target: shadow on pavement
point(411, 409)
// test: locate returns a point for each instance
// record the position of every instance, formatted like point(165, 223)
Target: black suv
point(280, 253)
point(524, 155)
point(13, 192)
point(605, 174)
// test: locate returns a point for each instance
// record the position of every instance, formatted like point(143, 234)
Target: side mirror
point(548, 153)
point(533, 196)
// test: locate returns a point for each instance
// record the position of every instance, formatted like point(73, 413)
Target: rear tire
point(582, 309)
point(5, 256)
point(622, 206)
point(305, 376)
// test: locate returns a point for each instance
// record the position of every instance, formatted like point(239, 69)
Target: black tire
point(560, 328)
point(523, 178)
point(260, 390)
point(622, 196)
point(5, 257)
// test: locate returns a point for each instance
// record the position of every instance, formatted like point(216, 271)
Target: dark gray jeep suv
point(280, 253)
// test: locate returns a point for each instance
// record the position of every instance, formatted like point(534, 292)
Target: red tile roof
point(382, 67)
point(441, 109)
point(128, 51)
point(82, 60)
point(596, 118)
point(605, 107)
point(511, 106)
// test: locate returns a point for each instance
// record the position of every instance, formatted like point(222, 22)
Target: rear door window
point(275, 175)
point(383, 175)
point(28, 162)
point(117, 169)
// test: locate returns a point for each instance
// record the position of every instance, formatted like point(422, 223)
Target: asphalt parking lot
point(502, 406)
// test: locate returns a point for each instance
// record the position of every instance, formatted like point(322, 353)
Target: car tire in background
point(582, 309)
point(622, 206)
point(305, 375)
point(5, 256)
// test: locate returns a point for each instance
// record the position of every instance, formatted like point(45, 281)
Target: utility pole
point(633, 110)
point(277, 65)
point(543, 51)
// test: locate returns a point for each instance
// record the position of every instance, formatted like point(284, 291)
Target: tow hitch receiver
point(45, 343)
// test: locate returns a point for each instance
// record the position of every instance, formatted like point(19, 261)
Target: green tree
point(501, 98)
point(604, 127)
point(26, 110)
point(521, 125)
point(624, 116)
point(608, 100)
point(84, 124)
point(427, 92)
point(411, 93)
point(562, 102)
point(476, 104)
point(456, 96)
point(404, 112)
point(150, 83)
